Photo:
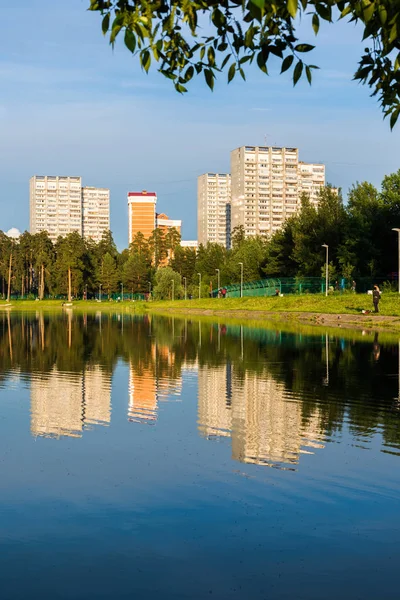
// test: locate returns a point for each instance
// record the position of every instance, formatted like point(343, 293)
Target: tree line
point(359, 235)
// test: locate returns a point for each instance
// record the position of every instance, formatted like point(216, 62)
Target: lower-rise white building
point(60, 205)
point(95, 212)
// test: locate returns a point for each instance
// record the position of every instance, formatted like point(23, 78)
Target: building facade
point(55, 205)
point(60, 205)
point(267, 183)
point(213, 202)
point(311, 179)
point(95, 212)
point(164, 223)
point(193, 244)
point(141, 213)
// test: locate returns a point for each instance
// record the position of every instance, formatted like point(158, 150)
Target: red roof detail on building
point(142, 193)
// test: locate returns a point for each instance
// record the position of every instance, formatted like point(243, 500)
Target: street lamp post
point(398, 267)
point(241, 279)
point(173, 289)
point(184, 279)
point(326, 268)
point(218, 279)
point(199, 274)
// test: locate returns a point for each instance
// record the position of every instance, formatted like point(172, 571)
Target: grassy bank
point(60, 305)
point(346, 304)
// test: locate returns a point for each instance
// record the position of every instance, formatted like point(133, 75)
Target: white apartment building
point(59, 205)
point(267, 183)
point(95, 212)
point(311, 179)
point(55, 205)
point(193, 244)
point(213, 204)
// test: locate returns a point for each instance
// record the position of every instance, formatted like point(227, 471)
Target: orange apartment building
point(141, 213)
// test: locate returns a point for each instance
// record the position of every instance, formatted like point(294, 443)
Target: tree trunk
point(41, 289)
point(9, 279)
point(69, 285)
point(22, 286)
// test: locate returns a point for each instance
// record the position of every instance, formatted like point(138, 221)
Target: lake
point(151, 457)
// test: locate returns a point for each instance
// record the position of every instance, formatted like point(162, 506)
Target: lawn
point(311, 303)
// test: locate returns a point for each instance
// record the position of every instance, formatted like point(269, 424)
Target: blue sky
point(69, 105)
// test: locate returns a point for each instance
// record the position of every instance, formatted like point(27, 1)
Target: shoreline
point(343, 321)
point(339, 315)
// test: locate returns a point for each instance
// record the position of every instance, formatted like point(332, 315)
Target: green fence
point(303, 285)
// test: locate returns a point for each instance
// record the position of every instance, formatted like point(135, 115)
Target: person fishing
point(376, 296)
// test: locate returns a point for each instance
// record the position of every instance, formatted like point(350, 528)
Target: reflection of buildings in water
point(56, 404)
point(63, 403)
point(214, 411)
point(148, 385)
point(265, 424)
point(142, 395)
point(97, 396)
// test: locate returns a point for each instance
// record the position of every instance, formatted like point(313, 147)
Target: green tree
point(70, 263)
point(163, 286)
point(184, 262)
point(108, 276)
point(158, 247)
point(44, 256)
point(170, 33)
point(135, 274)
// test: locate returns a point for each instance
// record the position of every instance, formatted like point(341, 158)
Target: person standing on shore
point(376, 296)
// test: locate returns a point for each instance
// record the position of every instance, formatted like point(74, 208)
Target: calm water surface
point(162, 458)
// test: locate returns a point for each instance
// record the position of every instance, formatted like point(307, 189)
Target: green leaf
point(298, 70)
point(304, 48)
point(393, 33)
point(309, 74)
point(189, 73)
point(211, 56)
point(382, 14)
point(368, 12)
point(315, 23)
point(261, 62)
point(180, 88)
point(105, 24)
point(130, 40)
point(292, 7)
point(202, 52)
point(145, 59)
point(209, 77)
point(227, 57)
point(231, 72)
point(393, 117)
point(287, 63)
point(324, 11)
point(242, 74)
point(259, 3)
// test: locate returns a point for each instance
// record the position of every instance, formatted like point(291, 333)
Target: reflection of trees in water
point(360, 388)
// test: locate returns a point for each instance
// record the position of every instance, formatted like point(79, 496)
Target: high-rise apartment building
point(141, 213)
point(95, 212)
point(311, 179)
point(213, 205)
point(55, 205)
point(267, 183)
point(60, 205)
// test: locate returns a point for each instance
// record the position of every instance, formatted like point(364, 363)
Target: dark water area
point(150, 457)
